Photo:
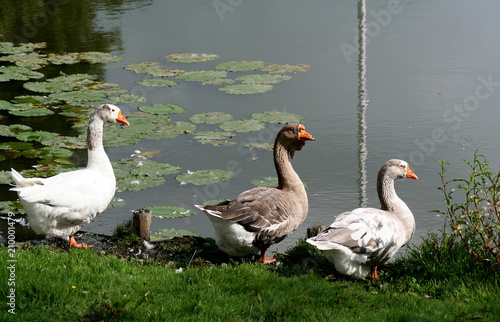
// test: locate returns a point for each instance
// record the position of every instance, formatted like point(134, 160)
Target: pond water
point(412, 80)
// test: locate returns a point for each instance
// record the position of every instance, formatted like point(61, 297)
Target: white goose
point(360, 240)
point(60, 205)
point(263, 216)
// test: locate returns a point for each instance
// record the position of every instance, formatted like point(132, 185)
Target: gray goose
point(60, 205)
point(263, 216)
point(364, 238)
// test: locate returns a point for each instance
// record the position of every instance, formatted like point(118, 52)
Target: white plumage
point(360, 240)
point(60, 205)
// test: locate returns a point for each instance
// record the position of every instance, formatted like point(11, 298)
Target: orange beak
point(410, 174)
point(303, 135)
point(122, 119)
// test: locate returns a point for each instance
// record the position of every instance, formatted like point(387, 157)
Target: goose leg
point(263, 259)
point(374, 273)
point(73, 243)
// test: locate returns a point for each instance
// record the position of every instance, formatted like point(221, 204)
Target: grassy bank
point(436, 281)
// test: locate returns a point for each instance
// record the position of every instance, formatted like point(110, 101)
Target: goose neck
point(97, 157)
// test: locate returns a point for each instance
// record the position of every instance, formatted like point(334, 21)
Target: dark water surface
point(422, 82)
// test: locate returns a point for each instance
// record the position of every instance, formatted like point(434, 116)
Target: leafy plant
point(476, 219)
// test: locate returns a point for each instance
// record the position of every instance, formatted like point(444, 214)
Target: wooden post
point(142, 223)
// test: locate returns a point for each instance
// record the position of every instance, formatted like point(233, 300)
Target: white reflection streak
point(362, 104)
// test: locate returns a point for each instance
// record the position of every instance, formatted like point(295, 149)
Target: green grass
point(433, 282)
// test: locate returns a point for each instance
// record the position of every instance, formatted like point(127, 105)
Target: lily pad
point(13, 129)
point(11, 207)
point(243, 125)
point(263, 79)
point(203, 177)
point(215, 138)
point(266, 182)
point(36, 136)
point(211, 118)
point(191, 57)
point(32, 112)
point(202, 75)
point(264, 146)
point(242, 89)
point(278, 117)
point(241, 66)
point(169, 212)
point(151, 168)
point(131, 183)
point(162, 109)
point(155, 82)
point(174, 129)
point(10, 48)
point(79, 97)
point(48, 87)
point(153, 69)
point(64, 59)
point(5, 177)
point(95, 57)
point(128, 98)
point(168, 233)
point(5, 105)
point(18, 146)
point(48, 153)
point(28, 60)
point(18, 73)
point(282, 69)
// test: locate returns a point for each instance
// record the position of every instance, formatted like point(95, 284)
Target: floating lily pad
point(128, 98)
point(242, 89)
point(169, 212)
point(36, 136)
point(95, 57)
point(153, 69)
point(162, 109)
point(28, 60)
point(18, 73)
point(203, 177)
point(48, 87)
point(79, 97)
point(191, 57)
point(282, 69)
point(11, 207)
point(264, 146)
point(10, 48)
point(150, 168)
point(64, 59)
point(241, 66)
point(117, 202)
point(132, 183)
point(263, 79)
point(48, 153)
point(5, 105)
point(32, 112)
point(174, 129)
point(202, 75)
point(215, 138)
point(13, 130)
point(278, 117)
point(266, 182)
point(18, 146)
point(168, 233)
point(5, 178)
point(211, 118)
point(155, 82)
point(243, 125)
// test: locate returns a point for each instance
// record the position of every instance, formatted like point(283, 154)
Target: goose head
point(294, 137)
point(397, 169)
point(112, 114)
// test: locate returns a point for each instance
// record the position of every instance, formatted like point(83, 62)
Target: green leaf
point(243, 125)
point(168, 233)
point(202, 75)
point(211, 117)
point(282, 69)
point(169, 212)
point(242, 89)
point(263, 79)
point(10, 48)
point(203, 177)
point(151, 168)
point(278, 117)
point(241, 66)
point(29, 60)
point(265, 146)
point(154, 82)
point(128, 98)
point(162, 109)
point(18, 73)
point(215, 138)
point(32, 112)
point(95, 57)
point(266, 182)
point(36, 136)
point(191, 57)
point(153, 69)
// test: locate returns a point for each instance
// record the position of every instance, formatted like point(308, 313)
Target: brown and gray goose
point(360, 240)
point(263, 216)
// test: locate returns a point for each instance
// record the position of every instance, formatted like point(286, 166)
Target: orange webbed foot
point(73, 243)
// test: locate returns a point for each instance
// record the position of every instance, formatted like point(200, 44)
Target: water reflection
point(362, 104)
